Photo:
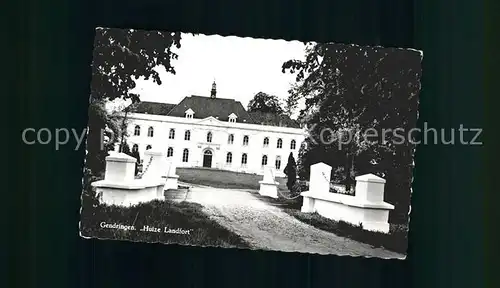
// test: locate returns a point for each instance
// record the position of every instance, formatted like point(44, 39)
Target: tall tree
point(265, 103)
point(292, 101)
point(348, 90)
point(120, 57)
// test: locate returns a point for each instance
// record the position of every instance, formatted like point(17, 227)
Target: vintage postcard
point(249, 143)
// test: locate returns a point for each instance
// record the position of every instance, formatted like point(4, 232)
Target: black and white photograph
point(261, 144)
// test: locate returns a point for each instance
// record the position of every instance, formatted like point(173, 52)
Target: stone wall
point(367, 207)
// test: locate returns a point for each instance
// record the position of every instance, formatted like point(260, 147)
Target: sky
point(241, 67)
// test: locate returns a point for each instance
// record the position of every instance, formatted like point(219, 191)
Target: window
point(209, 137)
point(148, 147)
point(230, 139)
point(229, 158)
point(150, 132)
point(137, 130)
point(187, 135)
point(232, 118)
point(279, 144)
point(171, 134)
point(292, 145)
point(135, 148)
point(170, 152)
point(185, 155)
point(277, 163)
point(266, 142)
point(244, 159)
point(264, 160)
point(189, 113)
point(245, 140)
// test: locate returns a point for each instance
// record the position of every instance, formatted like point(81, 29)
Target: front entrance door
point(207, 159)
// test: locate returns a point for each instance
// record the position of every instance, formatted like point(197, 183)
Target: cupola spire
point(213, 93)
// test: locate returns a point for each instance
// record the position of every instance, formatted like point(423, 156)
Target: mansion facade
point(214, 133)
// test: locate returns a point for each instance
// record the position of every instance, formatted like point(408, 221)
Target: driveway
point(266, 227)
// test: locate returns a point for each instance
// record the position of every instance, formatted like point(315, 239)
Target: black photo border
point(51, 76)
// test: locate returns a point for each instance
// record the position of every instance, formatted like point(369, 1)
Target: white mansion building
point(214, 133)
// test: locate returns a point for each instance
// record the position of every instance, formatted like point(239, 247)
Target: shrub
point(302, 186)
point(89, 196)
point(335, 190)
point(299, 186)
point(291, 172)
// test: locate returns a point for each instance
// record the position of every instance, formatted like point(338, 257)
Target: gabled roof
point(204, 107)
point(273, 119)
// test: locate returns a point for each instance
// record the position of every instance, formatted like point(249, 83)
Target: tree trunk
point(121, 144)
point(123, 129)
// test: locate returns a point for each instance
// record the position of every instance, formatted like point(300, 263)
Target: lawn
point(197, 228)
point(396, 240)
point(223, 178)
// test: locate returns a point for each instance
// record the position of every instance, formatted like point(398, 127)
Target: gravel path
point(266, 227)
